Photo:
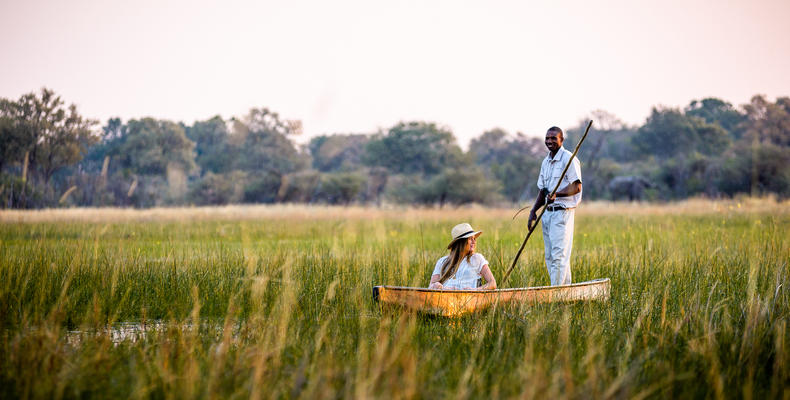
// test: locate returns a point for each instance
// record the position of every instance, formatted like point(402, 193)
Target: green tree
point(263, 145)
point(113, 133)
point(150, 146)
point(218, 189)
point(414, 148)
point(756, 168)
point(144, 162)
point(686, 175)
point(716, 111)
point(513, 160)
point(768, 122)
point(213, 152)
point(609, 145)
point(668, 133)
point(15, 140)
point(609, 138)
point(263, 187)
point(337, 152)
point(341, 187)
point(100, 178)
point(299, 187)
point(451, 186)
point(53, 135)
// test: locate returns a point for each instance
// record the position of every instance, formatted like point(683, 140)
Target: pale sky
point(355, 66)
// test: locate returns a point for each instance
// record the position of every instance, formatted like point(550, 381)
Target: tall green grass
point(281, 307)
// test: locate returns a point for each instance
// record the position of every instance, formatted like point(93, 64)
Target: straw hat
point(463, 231)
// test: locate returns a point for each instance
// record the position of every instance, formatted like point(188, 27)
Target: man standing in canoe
point(558, 218)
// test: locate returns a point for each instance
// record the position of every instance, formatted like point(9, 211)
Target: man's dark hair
point(558, 130)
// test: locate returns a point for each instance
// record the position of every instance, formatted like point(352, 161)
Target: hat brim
point(468, 235)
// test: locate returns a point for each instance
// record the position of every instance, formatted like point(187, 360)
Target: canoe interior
point(458, 302)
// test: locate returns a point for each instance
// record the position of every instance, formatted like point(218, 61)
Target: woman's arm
point(435, 284)
point(489, 277)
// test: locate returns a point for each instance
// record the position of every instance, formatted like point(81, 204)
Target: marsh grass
point(275, 302)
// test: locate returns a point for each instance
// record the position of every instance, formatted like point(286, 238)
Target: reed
point(274, 302)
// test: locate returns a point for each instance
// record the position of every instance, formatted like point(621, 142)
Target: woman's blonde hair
point(451, 263)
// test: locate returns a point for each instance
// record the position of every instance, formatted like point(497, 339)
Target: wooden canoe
point(450, 303)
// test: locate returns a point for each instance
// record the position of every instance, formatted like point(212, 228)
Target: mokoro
point(451, 303)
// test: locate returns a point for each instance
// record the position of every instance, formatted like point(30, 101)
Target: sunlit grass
point(276, 302)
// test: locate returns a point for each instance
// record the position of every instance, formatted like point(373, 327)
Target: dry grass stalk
point(105, 166)
point(300, 212)
point(66, 194)
point(132, 188)
point(24, 166)
point(276, 304)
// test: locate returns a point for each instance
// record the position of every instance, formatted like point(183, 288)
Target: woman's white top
point(468, 272)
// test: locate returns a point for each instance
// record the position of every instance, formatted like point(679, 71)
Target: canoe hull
point(458, 302)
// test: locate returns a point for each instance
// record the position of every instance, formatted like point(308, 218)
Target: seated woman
point(462, 268)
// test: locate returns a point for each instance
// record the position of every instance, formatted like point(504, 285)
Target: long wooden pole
point(553, 192)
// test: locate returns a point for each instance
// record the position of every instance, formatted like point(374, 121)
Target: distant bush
point(262, 188)
point(299, 187)
point(218, 189)
point(757, 169)
point(341, 188)
point(337, 152)
point(16, 193)
point(452, 186)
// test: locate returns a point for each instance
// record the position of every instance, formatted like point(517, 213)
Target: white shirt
point(550, 171)
point(467, 274)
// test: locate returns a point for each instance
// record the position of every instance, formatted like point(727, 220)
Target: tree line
point(52, 156)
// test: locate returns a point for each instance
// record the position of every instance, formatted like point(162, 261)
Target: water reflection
point(123, 331)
